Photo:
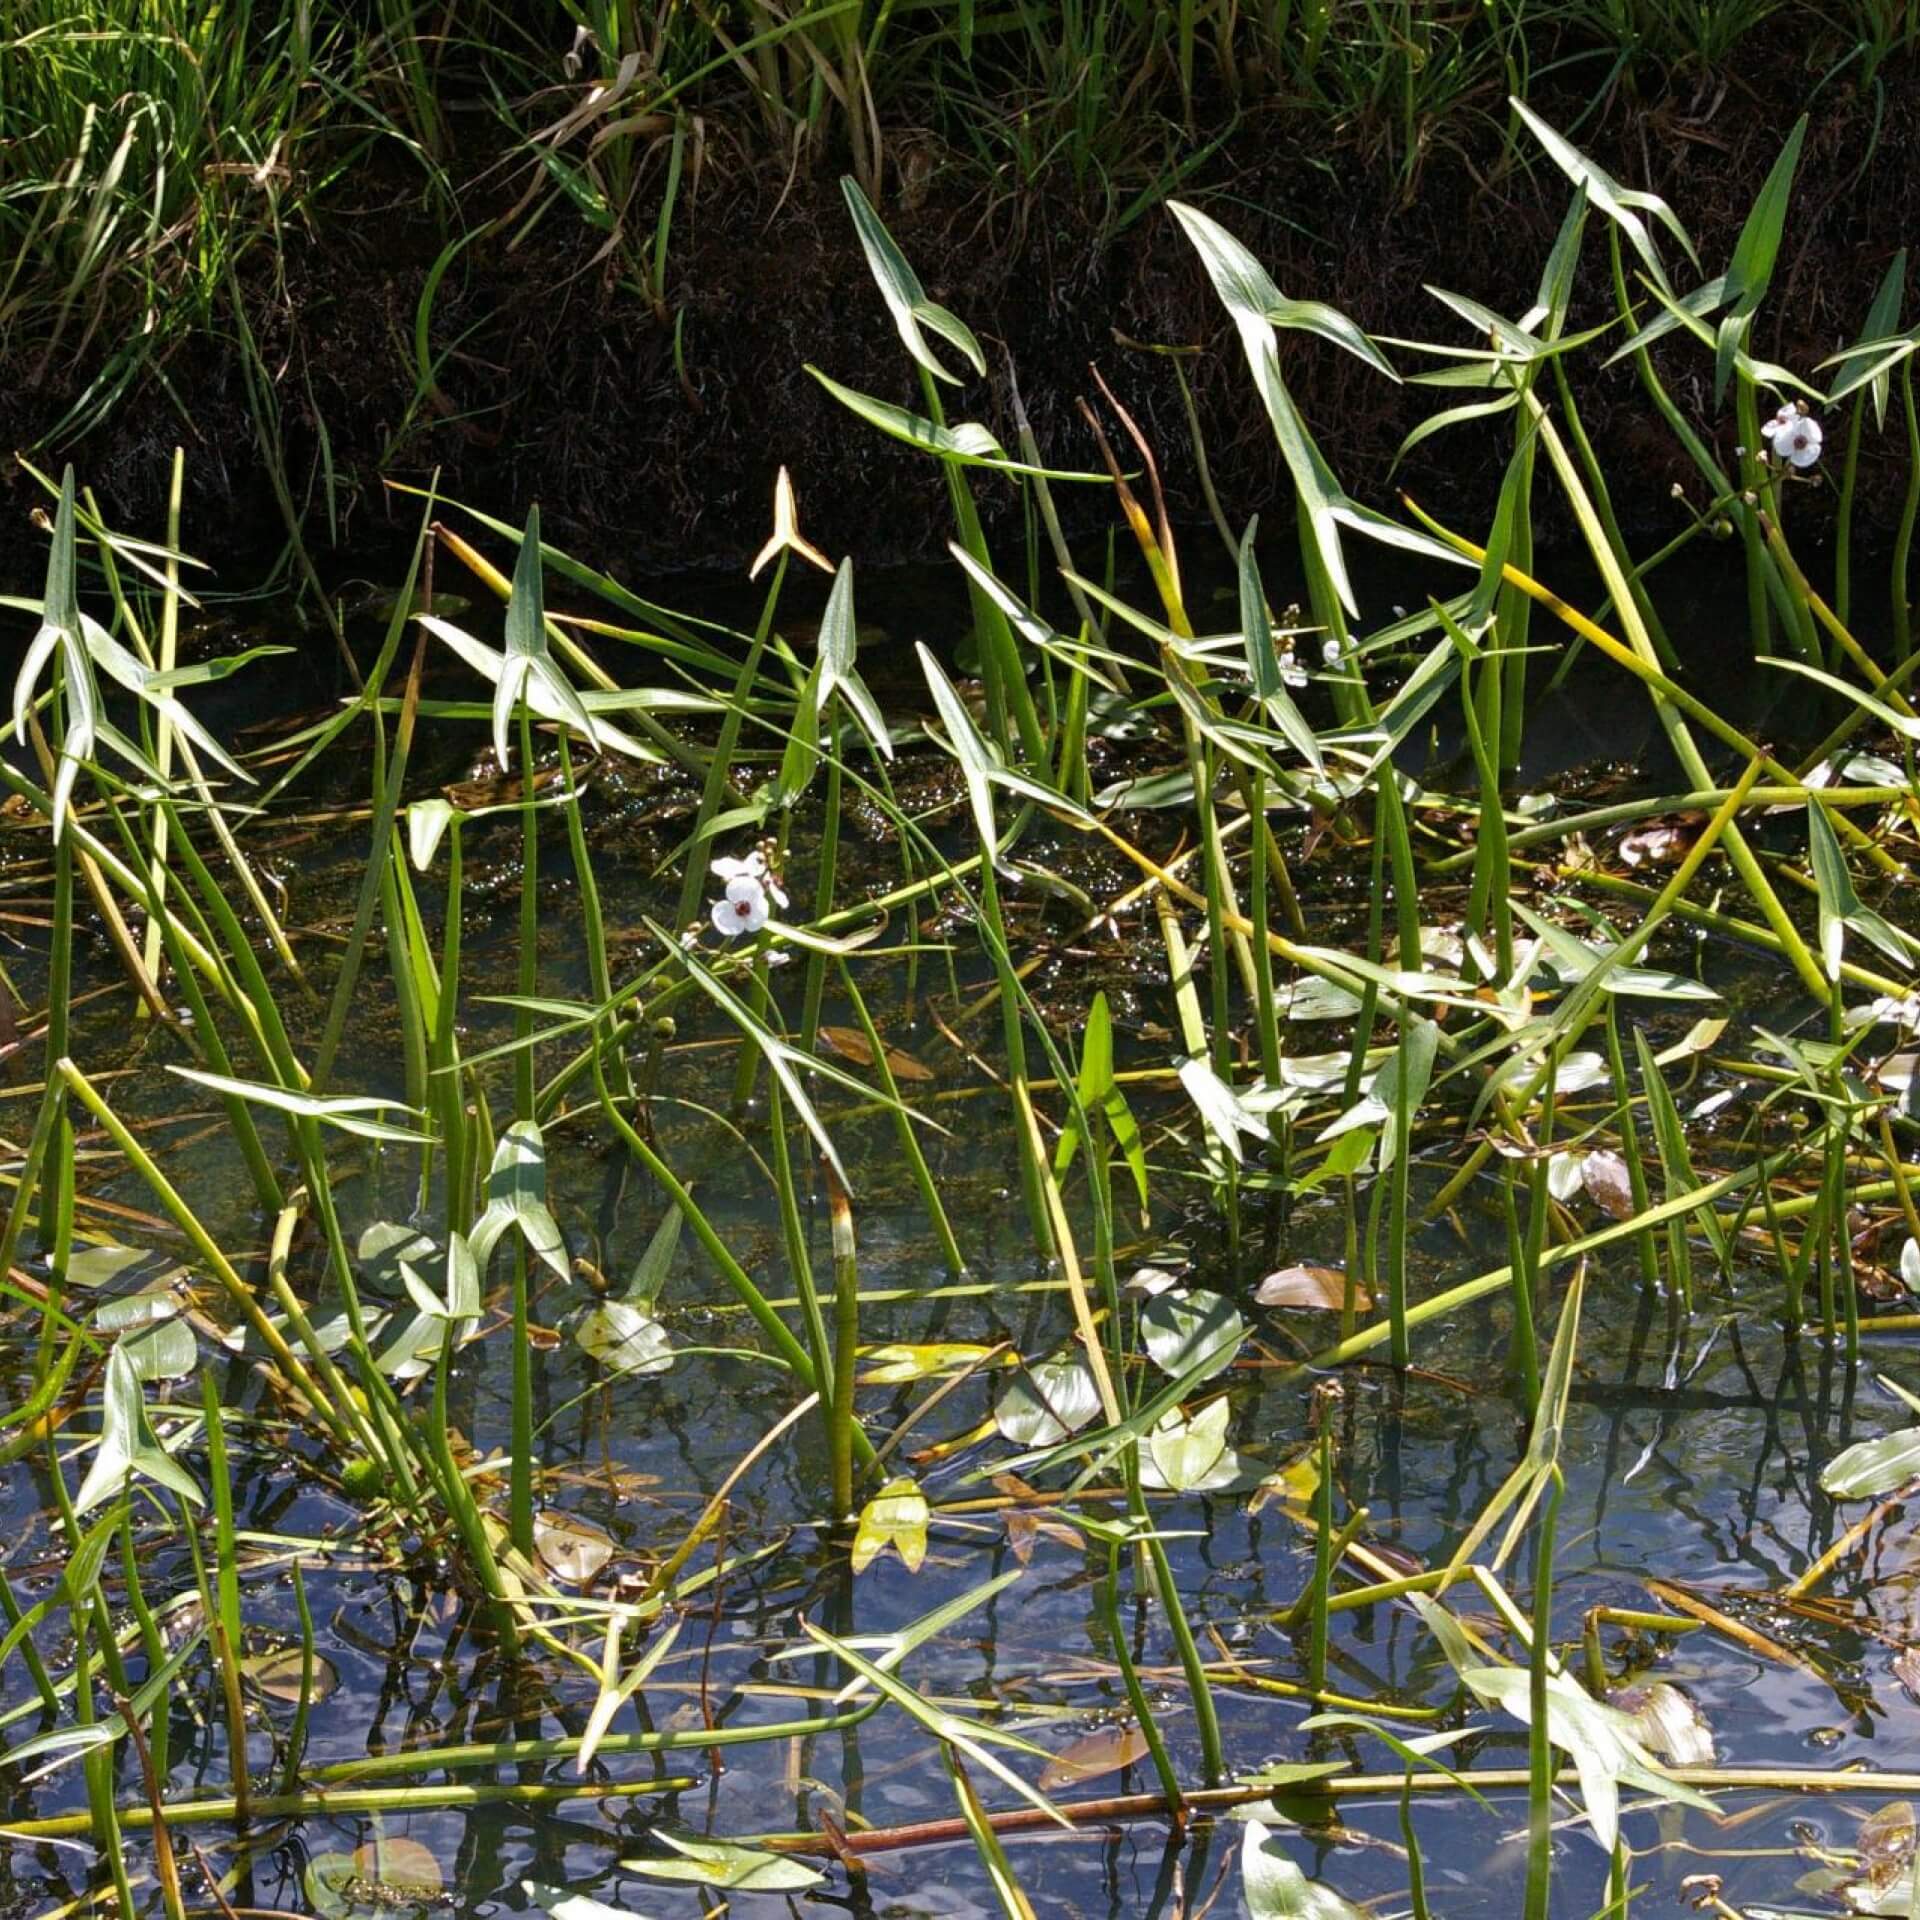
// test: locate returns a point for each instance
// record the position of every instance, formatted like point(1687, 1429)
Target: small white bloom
point(1780, 421)
point(1330, 652)
point(1292, 673)
point(742, 908)
point(754, 867)
point(1799, 443)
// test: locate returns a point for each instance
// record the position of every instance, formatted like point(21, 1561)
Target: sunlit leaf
point(895, 1517)
point(1276, 1889)
point(722, 1863)
point(1191, 1331)
point(624, 1338)
point(1093, 1756)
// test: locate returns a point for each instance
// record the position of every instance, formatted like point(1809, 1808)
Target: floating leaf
point(1609, 1184)
point(900, 1361)
point(1870, 1468)
point(278, 1674)
point(1885, 1843)
point(1191, 1455)
point(571, 1549)
point(1104, 1752)
point(1276, 1889)
point(624, 1339)
point(721, 1863)
point(1190, 1331)
point(389, 1875)
point(1046, 1402)
point(1322, 1288)
point(1668, 1723)
point(167, 1350)
point(574, 1906)
point(851, 1044)
point(895, 1517)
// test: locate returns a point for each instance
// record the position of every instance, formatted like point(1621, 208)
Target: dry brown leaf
point(851, 1044)
point(1608, 1183)
point(1322, 1288)
point(1102, 1752)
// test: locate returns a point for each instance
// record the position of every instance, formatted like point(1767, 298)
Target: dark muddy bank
point(562, 386)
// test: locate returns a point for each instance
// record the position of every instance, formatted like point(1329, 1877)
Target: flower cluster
point(750, 886)
point(1794, 437)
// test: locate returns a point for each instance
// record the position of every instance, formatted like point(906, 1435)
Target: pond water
point(1692, 1451)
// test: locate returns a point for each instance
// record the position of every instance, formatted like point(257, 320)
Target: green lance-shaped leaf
point(526, 661)
point(1252, 300)
point(1869, 361)
point(1622, 205)
point(547, 694)
point(59, 631)
point(786, 1062)
point(517, 1198)
point(914, 315)
point(970, 1737)
point(1754, 255)
point(1263, 659)
point(1840, 906)
point(980, 766)
point(347, 1111)
point(839, 673)
point(127, 1443)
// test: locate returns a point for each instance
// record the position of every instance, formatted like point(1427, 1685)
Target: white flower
point(1799, 443)
point(742, 908)
point(1780, 421)
point(754, 867)
point(1292, 673)
point(1330, 652)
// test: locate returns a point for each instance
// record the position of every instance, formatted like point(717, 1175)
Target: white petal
point(745, 890)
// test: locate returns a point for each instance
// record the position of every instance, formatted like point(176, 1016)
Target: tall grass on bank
point(157, 159)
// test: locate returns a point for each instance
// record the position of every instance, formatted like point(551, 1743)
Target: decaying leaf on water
point(1667, 1722)
point(1885, 1843)
point(572, 1550)
point(1663, 842)
point(388, 1875)
point(852, 1045)
point(624, 1339)
point(1104, 1751)
point(1609, 1184)
point(278, 1675)
point(1324, 1289)
point(1906, 1669)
